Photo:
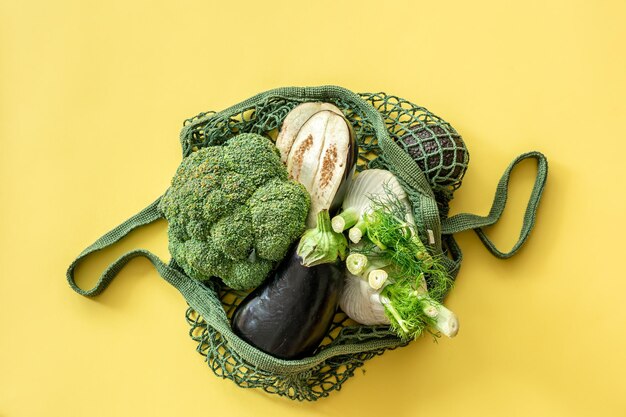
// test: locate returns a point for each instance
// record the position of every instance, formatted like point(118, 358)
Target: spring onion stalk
point(321, 244)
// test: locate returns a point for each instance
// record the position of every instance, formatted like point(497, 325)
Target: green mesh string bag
point(427, 156)
point(432, 143)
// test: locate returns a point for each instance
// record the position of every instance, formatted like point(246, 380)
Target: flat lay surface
point(92, 100)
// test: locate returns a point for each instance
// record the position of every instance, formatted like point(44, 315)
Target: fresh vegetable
point(368, 187)
point(320, 152)
point(294, 121)
point(232, 212)
point(439, 151)
point(401, 301)
point(397, 299)
point(392, 260)
point(361, 302)
point(369, 268)
point(321, 244)
point(290, 313)
point(359, 264)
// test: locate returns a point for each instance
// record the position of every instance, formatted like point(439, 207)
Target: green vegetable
point(321, 244)
point(406, 278)
point(364, 190)
point(361, 302)
point(390, 226)
point(368, 267)
point(357, 263)
point(412, 310)
point(232, 212)
point(403, 292)
point(414, 282)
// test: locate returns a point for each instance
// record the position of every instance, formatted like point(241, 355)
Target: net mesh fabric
point(311, 384)
point(437, 149)
point(431, 141)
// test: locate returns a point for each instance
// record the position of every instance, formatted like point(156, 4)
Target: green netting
point(429, 159)
point(426, 137)
point(436, 147)
point(307, 384)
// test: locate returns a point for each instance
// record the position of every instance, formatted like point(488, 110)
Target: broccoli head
point(232, 211)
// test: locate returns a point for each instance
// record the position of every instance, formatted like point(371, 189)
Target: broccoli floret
point(277, 206)
point(232, 212)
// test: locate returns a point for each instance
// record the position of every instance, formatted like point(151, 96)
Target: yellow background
point(92, 97)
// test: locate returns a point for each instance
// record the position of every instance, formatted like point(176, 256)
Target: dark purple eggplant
point(289, 315)
point(291, 312)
